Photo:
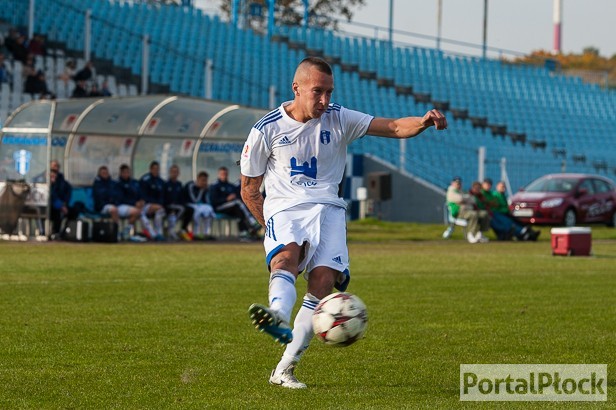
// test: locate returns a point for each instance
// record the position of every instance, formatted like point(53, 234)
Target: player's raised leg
point(274, 319)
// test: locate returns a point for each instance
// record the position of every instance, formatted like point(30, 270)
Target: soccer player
point(152, 191)
point(225, 198)
point(203, 213)
point(173, 198)
point(299, 150)
point(130, 202)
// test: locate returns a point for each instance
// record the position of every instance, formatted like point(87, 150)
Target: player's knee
point(321, 282)
point(284, 262)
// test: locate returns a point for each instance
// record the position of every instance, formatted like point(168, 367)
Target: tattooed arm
point(251, 195)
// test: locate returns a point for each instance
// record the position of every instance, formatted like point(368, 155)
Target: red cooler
point(573, 241)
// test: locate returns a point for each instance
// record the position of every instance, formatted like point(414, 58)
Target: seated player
point(203, 213)
point(226, 200)
point(130, 203)
point(173, 199)
point(151, 188)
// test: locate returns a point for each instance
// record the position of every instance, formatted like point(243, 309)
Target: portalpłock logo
point(533, 382)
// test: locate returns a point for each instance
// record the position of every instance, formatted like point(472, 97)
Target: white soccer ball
point(340, 319)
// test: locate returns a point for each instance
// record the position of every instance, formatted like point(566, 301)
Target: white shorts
point(123, 210)
point(107, 209)
point(321, 227)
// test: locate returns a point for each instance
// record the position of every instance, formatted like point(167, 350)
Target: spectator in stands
point(5, 74)
point(36, 86)
point(80, 90)
point(16, 44)
point(10, 41)
point(36, 46)
point(152, 191)
point(105, 89)
point(129, 199)
point(173, 198)
point(226, 199)
point(94, 91)
point(68, 73)
point(29, 69)
point(196, 198)
point(86, 73)
point(463, 206)
point(59, 199)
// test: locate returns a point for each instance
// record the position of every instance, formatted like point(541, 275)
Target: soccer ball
point(340, 319)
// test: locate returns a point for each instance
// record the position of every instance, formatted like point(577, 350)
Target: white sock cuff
point(283, 274)
point(310, 301)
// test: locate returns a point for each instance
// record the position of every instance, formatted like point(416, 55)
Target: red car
point(566, 199)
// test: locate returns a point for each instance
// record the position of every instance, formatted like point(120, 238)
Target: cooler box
point(571, 241)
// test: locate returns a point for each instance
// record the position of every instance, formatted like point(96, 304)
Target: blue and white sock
point(147, 225)
point(171, 221)
point(282, 293)
point(158, 221)
point(302, 333)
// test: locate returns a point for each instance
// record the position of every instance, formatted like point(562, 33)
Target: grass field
point(165, 326)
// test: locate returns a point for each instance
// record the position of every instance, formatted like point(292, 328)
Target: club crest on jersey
point(325, 137)
point(310, 170)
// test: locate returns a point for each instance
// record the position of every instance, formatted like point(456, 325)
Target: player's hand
point(436, 118)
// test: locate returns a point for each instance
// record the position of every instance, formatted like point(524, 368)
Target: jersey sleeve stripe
point(269, 121)
point(266, 117)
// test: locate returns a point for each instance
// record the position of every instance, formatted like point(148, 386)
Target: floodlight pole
point(31, 20)
point(485, 27)
point(391, 21)
point(208, 78)
point(481, 166)
point(402, 158)
point(439, 22)
point(145, 64)
point(87, 38)
point(272, 97)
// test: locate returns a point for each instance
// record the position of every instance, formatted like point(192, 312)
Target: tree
point(589, 60)
point(322, 13)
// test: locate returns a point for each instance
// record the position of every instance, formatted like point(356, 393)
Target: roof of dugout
point(134, 130)
point(168, 116)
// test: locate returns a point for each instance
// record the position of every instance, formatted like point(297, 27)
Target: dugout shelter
point(83, 134)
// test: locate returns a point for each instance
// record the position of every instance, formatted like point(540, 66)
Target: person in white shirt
point(299, 151)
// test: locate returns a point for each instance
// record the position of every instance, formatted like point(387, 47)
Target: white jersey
point(301, 162)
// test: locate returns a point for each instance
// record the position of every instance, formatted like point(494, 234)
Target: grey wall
point(413, 200)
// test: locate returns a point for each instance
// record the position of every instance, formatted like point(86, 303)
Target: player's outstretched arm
point(251, 195)
point(407, 127)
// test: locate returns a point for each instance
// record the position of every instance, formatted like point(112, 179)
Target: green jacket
point(502, 205)
point(454, 200)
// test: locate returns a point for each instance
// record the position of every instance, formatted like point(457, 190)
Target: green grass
point(165, 326)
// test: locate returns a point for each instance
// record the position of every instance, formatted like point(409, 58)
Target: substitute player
point(299, 150)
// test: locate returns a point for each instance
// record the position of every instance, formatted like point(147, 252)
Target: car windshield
point(552, 185)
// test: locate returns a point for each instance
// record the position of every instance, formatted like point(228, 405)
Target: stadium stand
point(539, 121)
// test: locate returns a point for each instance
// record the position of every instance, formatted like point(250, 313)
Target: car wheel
point(570, 217)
